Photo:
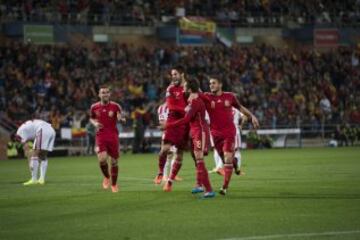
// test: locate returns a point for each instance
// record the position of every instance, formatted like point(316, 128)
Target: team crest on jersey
point(111, 113)
point(97, 113)
point(212, 104)
point(227, 103)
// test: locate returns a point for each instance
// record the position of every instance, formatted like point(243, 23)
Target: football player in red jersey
point(177, 137)
point(104, 116)
point(200, 137)
point(219, 106)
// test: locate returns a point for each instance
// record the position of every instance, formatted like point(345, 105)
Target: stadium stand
point(230, 13)
point(286, 87)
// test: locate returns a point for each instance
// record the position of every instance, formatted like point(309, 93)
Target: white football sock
point(217, 159)
point(166, 168)
point(34, 166)
point(43, 168)
point(172, 162)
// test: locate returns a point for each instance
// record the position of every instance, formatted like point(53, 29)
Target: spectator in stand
point(280, 83)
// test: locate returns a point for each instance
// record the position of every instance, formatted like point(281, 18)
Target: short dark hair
point(216, 78)
point(179, 68)
point(104, 86)
point(193, 84)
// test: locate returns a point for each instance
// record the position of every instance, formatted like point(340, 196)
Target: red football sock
point(203, 175)
point(228, 172)
point(175, 169)
point(162, 161)
point(105, 169)
point(114, 174)
point(198, 178)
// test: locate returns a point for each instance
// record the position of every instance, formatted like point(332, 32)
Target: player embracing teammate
point(200, 136)
point(178, 137)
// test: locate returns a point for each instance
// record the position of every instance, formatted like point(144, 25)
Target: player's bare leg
point(102, 157)
point(174, 171)
point(202, 174)
point(228, 168)
point(114, 175)
point(165, 148)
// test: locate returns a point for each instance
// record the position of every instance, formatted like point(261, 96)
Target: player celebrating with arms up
point(219, 106)
point(104, 115)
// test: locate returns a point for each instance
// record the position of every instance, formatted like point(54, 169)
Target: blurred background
point(294, 64)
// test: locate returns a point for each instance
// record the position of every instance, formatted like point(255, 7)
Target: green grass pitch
point(285, 194)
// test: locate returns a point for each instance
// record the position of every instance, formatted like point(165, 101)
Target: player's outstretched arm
point(252, 117)
point(188, 116)
point(243, 120)
point(179, 122)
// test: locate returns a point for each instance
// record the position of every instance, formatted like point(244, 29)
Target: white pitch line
point(294, 235)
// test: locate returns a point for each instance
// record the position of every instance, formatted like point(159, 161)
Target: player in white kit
point(162, 115)
point(239, 120)
point(44, 137)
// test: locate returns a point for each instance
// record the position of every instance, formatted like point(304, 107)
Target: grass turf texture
point(283, 192)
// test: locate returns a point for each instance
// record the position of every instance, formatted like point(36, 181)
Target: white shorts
point(238, 140)
point(45, 138)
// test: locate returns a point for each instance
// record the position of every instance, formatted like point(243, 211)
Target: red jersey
point(195, 115)
point(175, 102)
point(106, 115)
point(220, 112)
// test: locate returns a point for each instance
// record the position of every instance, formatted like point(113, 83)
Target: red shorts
point(200, 141)
point(224, 144)
point(177, 136)
point(108, 144)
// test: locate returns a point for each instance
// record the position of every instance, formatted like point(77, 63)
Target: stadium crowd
point(283, 87)
point(142, 12)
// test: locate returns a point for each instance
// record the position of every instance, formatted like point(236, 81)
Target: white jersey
point(163, 112)
point(237, 119)
point(38, 130)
